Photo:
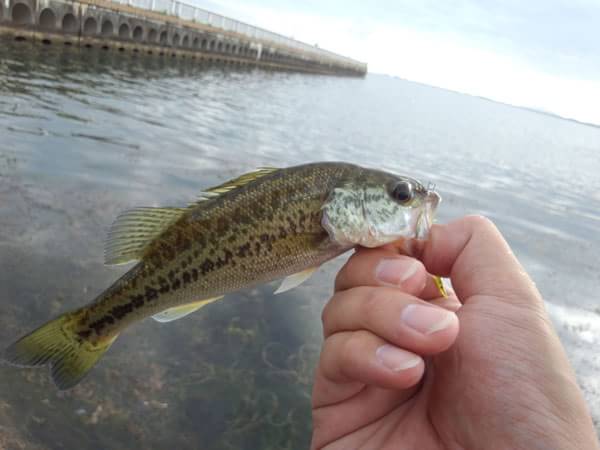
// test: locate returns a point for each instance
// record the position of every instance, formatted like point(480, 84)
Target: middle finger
point(397, 317)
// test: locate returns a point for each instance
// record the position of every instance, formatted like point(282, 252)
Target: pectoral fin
point(295, 280)
point(168, 315)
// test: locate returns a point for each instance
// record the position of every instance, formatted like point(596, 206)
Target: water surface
point(85, 135)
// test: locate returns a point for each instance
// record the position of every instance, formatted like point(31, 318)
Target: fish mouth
point(425, 220)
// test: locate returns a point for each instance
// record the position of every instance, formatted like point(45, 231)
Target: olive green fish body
point(260, 232)
point(261, 226)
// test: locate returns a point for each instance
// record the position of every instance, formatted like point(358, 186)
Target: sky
point(541, 54)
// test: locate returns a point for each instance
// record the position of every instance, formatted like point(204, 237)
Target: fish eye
point(402, 192)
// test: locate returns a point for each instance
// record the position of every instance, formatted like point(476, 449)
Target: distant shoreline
point(526, 108)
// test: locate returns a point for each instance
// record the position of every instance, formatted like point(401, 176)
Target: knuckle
point(374, 301)
point(325, 313)
point(349, 352)
point(340, 279)
point(319, 422)
point(329, 357)
point(335, 358)
point(480, 222)
point(345, 273)
point(348, 349)
point(328, 314)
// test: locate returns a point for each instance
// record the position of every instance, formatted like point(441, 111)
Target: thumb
point(473, 253)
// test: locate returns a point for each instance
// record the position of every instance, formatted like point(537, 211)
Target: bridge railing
point(194, 14)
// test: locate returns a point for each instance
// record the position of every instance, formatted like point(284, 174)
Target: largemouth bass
point(264, 225)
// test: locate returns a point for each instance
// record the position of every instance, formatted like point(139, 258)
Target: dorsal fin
point(134, 229)
point(240, 181)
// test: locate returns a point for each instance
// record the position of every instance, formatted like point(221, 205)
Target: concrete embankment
point(165, 28)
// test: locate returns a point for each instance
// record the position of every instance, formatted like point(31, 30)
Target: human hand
point(395, 373)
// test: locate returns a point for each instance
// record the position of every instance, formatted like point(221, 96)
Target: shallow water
point(86, 135)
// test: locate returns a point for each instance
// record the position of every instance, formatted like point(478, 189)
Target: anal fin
point(171, 314)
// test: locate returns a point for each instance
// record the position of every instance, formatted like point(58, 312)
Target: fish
point(264, 225)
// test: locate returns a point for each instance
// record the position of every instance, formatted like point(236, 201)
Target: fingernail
point(396, 270)
point(395, 358)
point(427, 319)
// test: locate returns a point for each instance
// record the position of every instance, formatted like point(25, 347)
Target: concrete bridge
point(165, 28)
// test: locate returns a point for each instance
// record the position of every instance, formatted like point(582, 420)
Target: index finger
point(381, 267)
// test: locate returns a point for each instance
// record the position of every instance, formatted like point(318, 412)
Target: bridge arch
point(152, 35)
point(107, 29)
point(138, 33)
point(164, 37)
point(47, 19)
point(21, 14)
point(90, 26)
point(124, 32)
point(69, 23)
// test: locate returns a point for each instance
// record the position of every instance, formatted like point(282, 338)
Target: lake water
point(85, 135)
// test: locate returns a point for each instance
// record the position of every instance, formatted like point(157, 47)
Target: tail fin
point(58, 344)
